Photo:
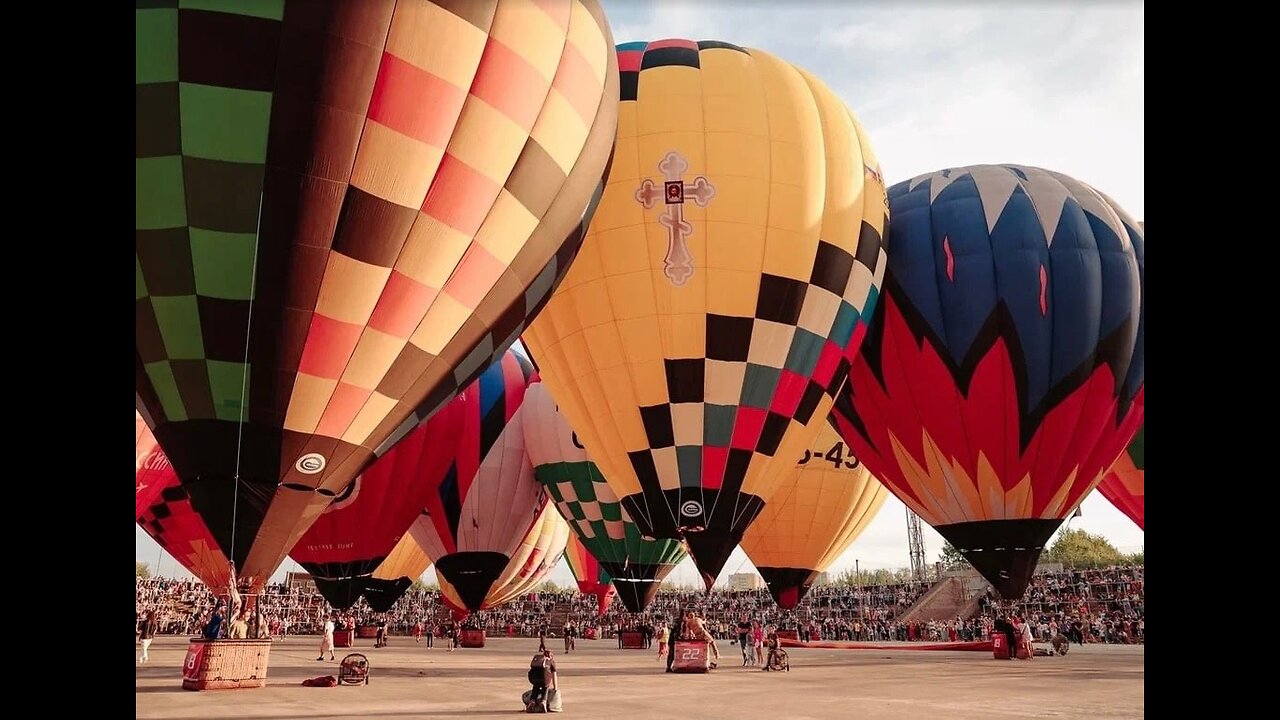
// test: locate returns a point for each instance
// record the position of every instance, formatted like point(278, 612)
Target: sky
point(935, 85)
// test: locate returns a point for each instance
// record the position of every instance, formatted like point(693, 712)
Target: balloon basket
point(691, 657)
point(366, 632)
point(999, 646)
point(632, 640)
point(472, 639)
point(342, 638)
point(225, 664)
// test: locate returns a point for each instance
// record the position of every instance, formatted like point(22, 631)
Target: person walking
point(326, 640)
point(148, 632)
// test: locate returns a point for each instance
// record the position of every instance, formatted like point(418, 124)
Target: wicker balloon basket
point(472, 639)
point(225, 664)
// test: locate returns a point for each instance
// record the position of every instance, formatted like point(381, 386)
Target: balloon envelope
point(166, 515)
point(391, 579)
point(1004, 371)
point(591, 576)
point(539, 552)
point(486, 498)
point(152, 471)
point(363, 524)
point(830, 498)
point(697, 341)
point(344, 211)
point(635, 565)
point(1124, 484)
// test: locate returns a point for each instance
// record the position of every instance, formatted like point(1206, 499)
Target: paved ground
point(600, 681)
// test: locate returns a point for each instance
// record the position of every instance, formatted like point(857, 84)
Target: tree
point(880, 576)
point(419, 586)
point(144, 570)
point(1134, 559)
point(1079, 549)
point(951, 557)
point(548, 586)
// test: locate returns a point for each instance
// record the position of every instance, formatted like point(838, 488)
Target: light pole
point(857, 568)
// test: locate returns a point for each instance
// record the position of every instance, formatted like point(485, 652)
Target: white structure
point(745, 581)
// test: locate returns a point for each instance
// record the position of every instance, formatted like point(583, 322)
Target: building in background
point(300, 581)
point(745, 581)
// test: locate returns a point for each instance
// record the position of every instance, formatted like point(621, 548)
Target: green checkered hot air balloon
point(636, 564)
point(344, 212)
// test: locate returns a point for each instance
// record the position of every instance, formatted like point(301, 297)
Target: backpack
point(539, 671)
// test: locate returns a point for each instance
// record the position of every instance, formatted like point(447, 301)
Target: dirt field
point(600, 681)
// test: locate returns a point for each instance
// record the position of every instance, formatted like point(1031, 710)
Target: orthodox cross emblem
point(674, 191)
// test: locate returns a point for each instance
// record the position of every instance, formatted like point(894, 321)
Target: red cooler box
point(789, 634)
point(342, 638)
point(366, 631)
point(1000, 646)
point(632, 640)
point(691, 657)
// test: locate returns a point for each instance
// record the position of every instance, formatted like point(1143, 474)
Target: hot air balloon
point(363, 524)
point(166, 515)
point(697, 341)
point(590, 575)
point(483, 503)
point(636, 565)
point(828, 500)
point(344, 211)
point(406, 563)
point(152, 471)
point(1123, 483)
point(539, 552)
point(1003, 373)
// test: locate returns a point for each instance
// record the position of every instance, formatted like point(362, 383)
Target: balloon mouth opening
point(634, 580)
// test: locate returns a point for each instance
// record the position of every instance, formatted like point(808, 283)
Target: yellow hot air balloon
point(395, 575)
point(539, 552)
point(731, 267)
point(828, 499)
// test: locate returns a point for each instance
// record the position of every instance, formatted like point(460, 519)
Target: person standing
point(238, 629)
point(213, 628)
point(569, 633)
point(326, 639)
point(663, 636)
point(757, 643)
point(148, 632)
point(744, 640)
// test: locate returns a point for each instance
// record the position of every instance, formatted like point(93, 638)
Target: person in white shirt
point(1027, 637)
point(326, 640)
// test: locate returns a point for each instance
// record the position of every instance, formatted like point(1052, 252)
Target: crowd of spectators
point(1087, 606)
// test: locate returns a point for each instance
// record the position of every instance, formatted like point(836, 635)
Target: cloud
point(940, 85)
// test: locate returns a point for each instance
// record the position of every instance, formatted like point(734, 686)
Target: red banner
point(195, 659)
point(974, 646)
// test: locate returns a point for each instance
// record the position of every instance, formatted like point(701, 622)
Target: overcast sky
point(1059, 86)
